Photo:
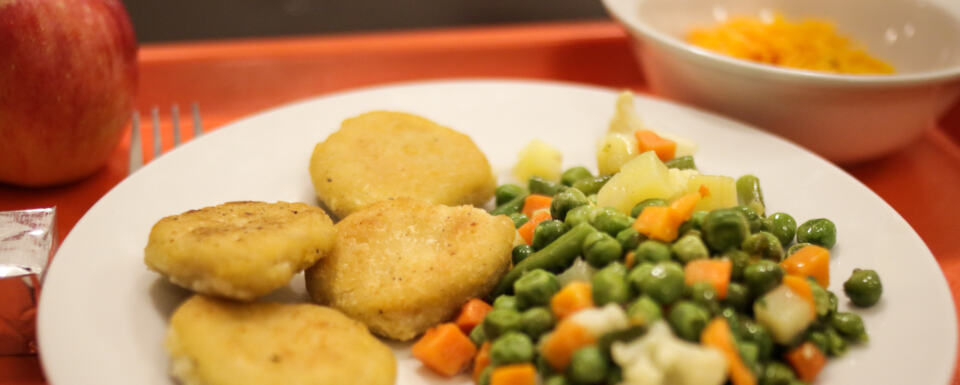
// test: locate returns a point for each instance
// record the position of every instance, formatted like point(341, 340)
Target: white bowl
point(845, 118)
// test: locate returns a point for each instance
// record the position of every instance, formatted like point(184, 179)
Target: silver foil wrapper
point(28, 239)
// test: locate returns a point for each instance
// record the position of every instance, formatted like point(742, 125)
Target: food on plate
point(219, 342)
point(383, 155)
point(239, 250)
point(401, 266)
point(809, 44)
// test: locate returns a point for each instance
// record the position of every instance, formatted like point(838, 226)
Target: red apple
point(68, 76)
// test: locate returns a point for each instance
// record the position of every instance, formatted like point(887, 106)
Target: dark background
point(172, 20)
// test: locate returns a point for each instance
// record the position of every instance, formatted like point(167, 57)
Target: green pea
point(500, 321)
point(663, 282)
point(556, 380)
point(753, 219)
point(484, 378)
point(546, 232)
point(588, 365)
point(688, 319)
point(521, 252)
point(749, 353)
point(688, 248)
point(611, 221)
point(821, 298)
point(836, 345)
point(757, 334)
point(644, 311)
point(681, 163)
point(850, 325)
point(725, 229)
point(638, 208)
point(739, 259)
point(508, 192)
point(695, 223)
point(600, 250)
point(477, 335)
point(536, 321)
point(623, 335)
point(535, 288)
point(762, 276)
point(580, 214)
point(609, 285)
point(538, 185)
point(781, 225)
point(511, 348)
point(652, 251)
point(763, 245)
point(629, 238)
point(573, 174)
point(519, 219)
point(592, 198)
point(565, 201)
point(512, 206)
point(705, 295)
point(834, 302)
point(738, 296)
point(863, 287)
point(820, 231)
point(507, 302)
point(819, 339)
point(796, 247)
point(749, 193)
point(591, 185)
point(776, 373)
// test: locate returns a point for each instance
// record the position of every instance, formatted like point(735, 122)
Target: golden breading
point(239, 250)
point(382, 155)
point(404, 265)
point(220, 342)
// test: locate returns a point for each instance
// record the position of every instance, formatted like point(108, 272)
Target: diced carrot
point(717, 335)
point(807, 360)
point(526, 230)
point(801, 288)
point(572, 298)
point(810, 261)
point(534, 202)
point(682, 207)
point(657, 222)
point(481, 361)
point(648, 140)
point(472, 314)
point(515, 374)
point(567, 338)
point(716, 272)
point(629, 259)
point(444, 349)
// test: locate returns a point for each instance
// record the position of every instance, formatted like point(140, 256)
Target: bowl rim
point(618, 9)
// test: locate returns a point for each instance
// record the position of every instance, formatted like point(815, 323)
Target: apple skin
point(68, 78)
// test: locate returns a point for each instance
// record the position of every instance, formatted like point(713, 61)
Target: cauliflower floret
point(659, 358)
point(601, 321)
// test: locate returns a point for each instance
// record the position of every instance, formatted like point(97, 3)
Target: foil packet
point(28, 239)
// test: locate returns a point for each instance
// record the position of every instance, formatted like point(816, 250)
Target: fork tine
point(197, 122)
point(136, 149)
point(175, 117)
point(157, 141)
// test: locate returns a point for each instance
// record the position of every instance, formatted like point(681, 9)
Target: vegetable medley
point(652, 273)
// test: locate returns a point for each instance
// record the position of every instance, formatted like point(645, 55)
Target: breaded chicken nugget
point(404, 265)
point(239, 250)
point(220, 342)
point(382, 155)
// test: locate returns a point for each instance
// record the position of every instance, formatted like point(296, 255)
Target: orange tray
point(233, 79)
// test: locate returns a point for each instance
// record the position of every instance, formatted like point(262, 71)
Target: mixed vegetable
point(652, 273)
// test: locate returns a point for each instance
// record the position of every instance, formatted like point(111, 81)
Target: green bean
point(821, 299)
point(565, 201)
point(638, 208)
point(796, 247)
point(695, 223)
point(762, 276)
point(863, 287)
point(590, 186)
point(850, 325)
point(609, 285)
point(738, 296)
point(820, 231)
point(652, 251)
point(681, 163)
point(512, 206)
point(477, 335)
point(629, 238)
point(580, 214)
point(689, 247)
point(763, 245)
point(782, 225)
point(536, 321)
point(546, 232)
point(521, 252)
point(508, 302)
point(573, 174)
point(538, 185)
point(836, 345)
point(535, 288)
point(725, 229)
point(663, 282)
point(705, 295)
point(776, 373)
point(749, 193)
point(644, 311)
point(753, 219)
point(511, 348)
point(600, 250)
point(740, 259)
point(500, 321)
point(611, 221)
point(588, 365)
point(556, 256)
point(508, 192)
point(688, 319)
point(518, 219)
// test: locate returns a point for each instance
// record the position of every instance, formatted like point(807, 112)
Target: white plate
point(103, 315)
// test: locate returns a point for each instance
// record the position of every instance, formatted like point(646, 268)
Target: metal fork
point(136, 147)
